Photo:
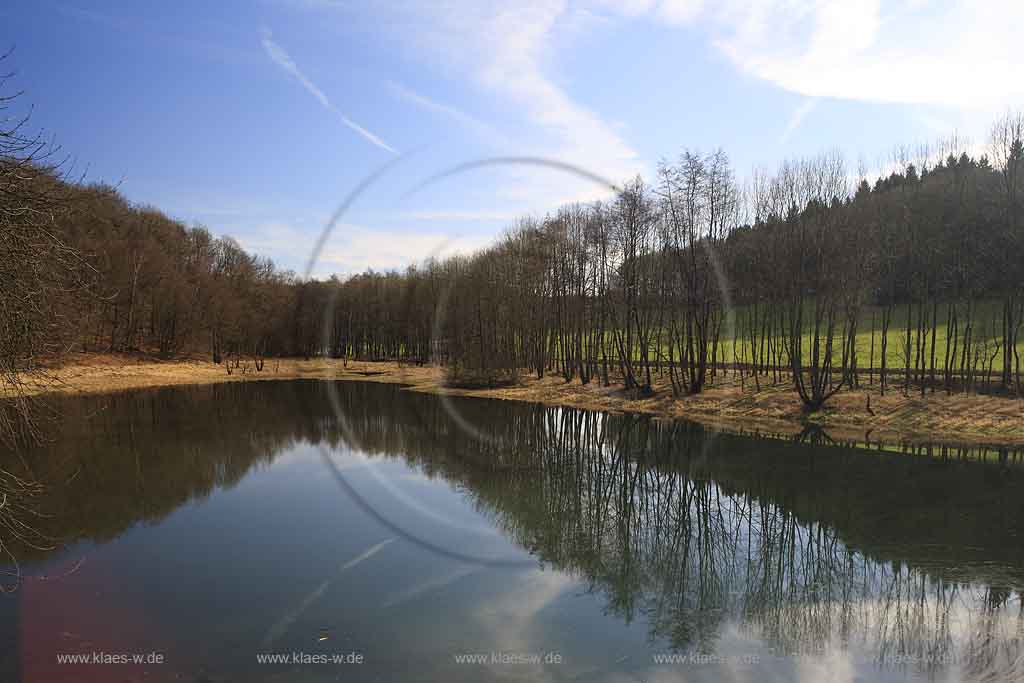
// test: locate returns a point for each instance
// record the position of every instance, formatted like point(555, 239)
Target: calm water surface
point(214, 527)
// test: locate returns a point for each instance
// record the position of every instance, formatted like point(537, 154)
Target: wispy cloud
point(680, 11)
point(460, 215)
point(953, 54)
point(280, 57)
point(671, 11)
point(356, 248)
point(797, 118)
point(956, 54)
point(482, 130)
point(505, 52)
point(509, 614)
point(512, 62)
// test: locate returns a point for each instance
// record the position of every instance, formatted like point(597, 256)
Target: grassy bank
point(957, 419)
point(986, 330)
point(735, 343)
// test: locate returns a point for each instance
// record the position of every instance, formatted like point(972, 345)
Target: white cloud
point(671, 11)
point(482, 130)
point(960, 54)
point(355, 248)
point(798, 116)
point(516, 46)
point(283, 240)
point(953, 54)
point(509, 618)
point(460, 215)
point(680, 11)
point(506, 52)
point(280, 57)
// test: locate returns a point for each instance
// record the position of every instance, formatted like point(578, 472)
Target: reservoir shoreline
point(974, 420)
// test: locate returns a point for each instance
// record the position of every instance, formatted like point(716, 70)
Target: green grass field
point(987, 332)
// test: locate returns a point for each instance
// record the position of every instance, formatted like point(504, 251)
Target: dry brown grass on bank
point(957, 419)
point(91, 373)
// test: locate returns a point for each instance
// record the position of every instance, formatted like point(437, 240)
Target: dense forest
point(809, 275)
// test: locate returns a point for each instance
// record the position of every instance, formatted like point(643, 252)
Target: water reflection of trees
point(914, 560)
point(695, 533)
point(135, 457)
point(653, 520)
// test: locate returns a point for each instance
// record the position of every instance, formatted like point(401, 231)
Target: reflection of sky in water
point(285, 560)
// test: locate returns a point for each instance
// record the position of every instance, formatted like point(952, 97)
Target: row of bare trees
point(804, 275)
point(38, 268)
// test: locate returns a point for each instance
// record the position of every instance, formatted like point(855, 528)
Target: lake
point(315, 531)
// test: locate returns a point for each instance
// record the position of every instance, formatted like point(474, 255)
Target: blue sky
point(258, 118)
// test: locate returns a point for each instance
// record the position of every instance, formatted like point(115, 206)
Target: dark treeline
point(691, 278)
point(83, 268)
point(913, 283)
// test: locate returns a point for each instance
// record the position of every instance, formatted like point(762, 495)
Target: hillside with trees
point(809, 275)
